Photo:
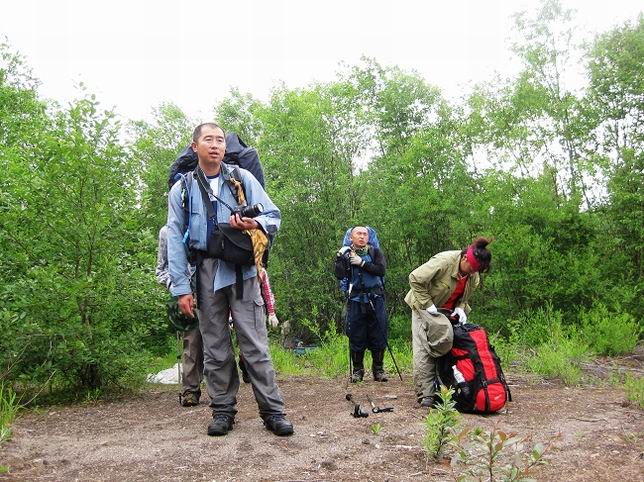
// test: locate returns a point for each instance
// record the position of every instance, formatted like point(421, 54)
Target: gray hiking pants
point(249, 321)
point(192, 362)
point(432, 337)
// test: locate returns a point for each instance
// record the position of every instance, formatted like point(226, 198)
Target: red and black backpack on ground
point(484, 389)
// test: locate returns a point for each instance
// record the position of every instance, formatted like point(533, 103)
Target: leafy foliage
point(554, 174)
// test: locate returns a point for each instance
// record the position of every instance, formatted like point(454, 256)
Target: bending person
point(446, 281)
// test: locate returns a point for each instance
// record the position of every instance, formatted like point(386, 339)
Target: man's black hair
point(197, 132)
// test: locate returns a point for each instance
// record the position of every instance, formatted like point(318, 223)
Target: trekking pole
point(391, 353)
point(347, 325)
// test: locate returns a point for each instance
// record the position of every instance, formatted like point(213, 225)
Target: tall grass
point(331, 358)
point(9, 405)
point(559, 349)
point(634, 387)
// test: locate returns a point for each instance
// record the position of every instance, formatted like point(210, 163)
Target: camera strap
point(206, 192)
point(204, 187)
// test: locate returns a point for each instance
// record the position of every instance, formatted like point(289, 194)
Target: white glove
point(272, 320)
point(343, 250)
point(356, 260)
point(462, 317)
point(432, 310)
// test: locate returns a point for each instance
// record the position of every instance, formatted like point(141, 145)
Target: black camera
point(251, 211)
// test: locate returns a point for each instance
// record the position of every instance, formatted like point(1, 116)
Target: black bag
point(231, 245)
point(237, 153)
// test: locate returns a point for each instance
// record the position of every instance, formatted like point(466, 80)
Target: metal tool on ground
point(376, 409)
point(358, 412)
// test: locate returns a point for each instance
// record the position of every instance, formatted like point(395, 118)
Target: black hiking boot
point(431, 401)
point(221, 424)
point(379, 374)
point(357, 375)
point(357, 358)
point(279, 425)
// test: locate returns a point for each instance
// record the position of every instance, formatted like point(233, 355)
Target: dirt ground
point(597, 436)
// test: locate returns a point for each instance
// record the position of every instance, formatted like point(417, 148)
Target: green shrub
point(507, 350)
point(535, 327)
point(609, 333)
point(399, 328)
point(560, 357)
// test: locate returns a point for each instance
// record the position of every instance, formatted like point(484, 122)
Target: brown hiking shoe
point(189, 399)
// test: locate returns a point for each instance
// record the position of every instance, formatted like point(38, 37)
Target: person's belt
point(376, 290)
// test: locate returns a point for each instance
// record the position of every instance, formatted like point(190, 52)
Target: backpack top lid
point(234, 145)
point(186, 162)
point(373, 237)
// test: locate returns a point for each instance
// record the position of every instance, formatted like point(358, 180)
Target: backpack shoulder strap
point(233, 178)
point(372, 253)
point(186, 201)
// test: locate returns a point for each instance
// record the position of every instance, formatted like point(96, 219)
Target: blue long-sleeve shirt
point(269, 221)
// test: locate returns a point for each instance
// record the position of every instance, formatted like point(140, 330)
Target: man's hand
point(432, 310)
point(462, 317)
point(185, 305)
point(272, 320)
point(242, 224)
point(356, 260)
point(343, 250)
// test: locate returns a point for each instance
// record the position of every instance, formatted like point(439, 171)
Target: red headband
point(471, 259)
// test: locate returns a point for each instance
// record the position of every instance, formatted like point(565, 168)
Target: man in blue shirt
point(222, 286)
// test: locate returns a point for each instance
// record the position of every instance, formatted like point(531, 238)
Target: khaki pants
point(192, 362)
point(432, 337)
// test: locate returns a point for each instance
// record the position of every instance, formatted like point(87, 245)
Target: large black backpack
point(482, 388)
point(237, 153)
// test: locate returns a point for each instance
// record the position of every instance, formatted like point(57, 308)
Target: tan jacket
point(435, 281)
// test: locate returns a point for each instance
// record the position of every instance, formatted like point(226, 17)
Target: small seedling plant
point(440, 424)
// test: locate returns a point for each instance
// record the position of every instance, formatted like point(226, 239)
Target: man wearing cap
point(445, 282)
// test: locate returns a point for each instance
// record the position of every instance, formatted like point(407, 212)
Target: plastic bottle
point(464, 389)
point(458, 376)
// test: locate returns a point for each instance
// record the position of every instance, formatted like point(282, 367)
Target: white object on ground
point(169, 376)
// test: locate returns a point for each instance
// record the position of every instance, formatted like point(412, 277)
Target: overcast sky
point(135, 54)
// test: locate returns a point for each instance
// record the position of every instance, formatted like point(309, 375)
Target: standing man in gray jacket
point(223, 286)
